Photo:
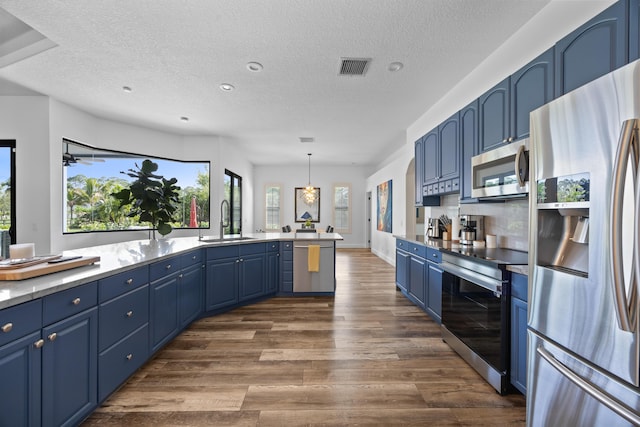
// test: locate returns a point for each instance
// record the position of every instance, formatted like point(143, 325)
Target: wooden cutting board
point(40, 269)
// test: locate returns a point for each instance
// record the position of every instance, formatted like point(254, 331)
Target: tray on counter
point(39, 266)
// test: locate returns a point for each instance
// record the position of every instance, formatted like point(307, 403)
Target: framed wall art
point(385, 206)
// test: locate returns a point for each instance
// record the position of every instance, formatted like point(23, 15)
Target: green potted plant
point(151, 197)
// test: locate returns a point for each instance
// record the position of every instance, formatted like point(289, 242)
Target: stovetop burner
point(499, 256)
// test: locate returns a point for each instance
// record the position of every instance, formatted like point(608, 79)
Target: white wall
point(324, 177)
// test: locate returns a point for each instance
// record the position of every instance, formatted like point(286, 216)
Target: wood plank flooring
point(367, 357)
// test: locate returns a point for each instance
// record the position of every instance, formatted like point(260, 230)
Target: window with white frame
point(342, 208)
point(273, 211)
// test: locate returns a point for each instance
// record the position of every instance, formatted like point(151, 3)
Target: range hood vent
point(354, 66)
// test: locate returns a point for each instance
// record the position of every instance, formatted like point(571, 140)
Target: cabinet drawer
point(164, 268)
point(123, 282)
point(253, 248)
point(455, 185)
point(441, 187)
point(67, 303)
point(434, 255)
point(273, 247)
point(448, 186)
point(20, 320)
point(192, 258)
point(402, 244)
point(286, 246)
point(287, 256)
point(120, 361)
point(519, 286)
point(426, 190)
point(222, 252)
point(122, 315)
point(418, 250)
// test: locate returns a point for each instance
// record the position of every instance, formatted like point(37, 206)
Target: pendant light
point(309, 192)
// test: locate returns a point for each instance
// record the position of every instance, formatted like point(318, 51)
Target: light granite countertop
point(119, 257)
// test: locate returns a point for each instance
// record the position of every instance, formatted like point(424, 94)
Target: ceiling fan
point(69, 159)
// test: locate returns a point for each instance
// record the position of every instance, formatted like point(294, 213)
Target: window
point(273, 217)
point(233, 195)
point(342, 208)
point(7, 195)
point(91, 175)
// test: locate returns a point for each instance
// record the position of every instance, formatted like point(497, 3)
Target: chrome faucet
point(222, 224)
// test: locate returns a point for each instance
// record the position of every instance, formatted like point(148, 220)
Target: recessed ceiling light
point(184, 119)
point(395, 66)
point(127, 89)
point(227, 87)
point(256, 67)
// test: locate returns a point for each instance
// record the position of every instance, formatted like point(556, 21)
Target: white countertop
point(119, 257)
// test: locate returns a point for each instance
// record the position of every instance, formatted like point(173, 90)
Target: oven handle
point(488, 283)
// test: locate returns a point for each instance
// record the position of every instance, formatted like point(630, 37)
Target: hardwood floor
point(365, 357)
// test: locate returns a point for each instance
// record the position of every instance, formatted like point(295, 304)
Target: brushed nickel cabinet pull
point(168, 267)
point(180, 276)
point(129, 281)
point(52, 337)
point(129, 356)
point(7, 328)
point(39, 343)
point(76, 301)
point(129, 313)
point(194, 257)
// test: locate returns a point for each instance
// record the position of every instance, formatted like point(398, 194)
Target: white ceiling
point(175, 54)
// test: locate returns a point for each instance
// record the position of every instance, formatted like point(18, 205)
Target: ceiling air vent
point(305, 139)
point(354, 66)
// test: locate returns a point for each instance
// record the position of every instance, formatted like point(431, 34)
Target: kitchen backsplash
point(509, 220)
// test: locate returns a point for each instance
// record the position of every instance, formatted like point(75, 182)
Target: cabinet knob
point(130, 313)
point(241, 259)
point(129, 281)
point(129, 356)
point(39, 343)
point(76, 301)
point(194, 257)
point(237, 261)
point(180, 276)
point(52, 337)
point(168, 267)
point(7, 328)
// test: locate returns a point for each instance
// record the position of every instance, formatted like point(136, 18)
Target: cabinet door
point(191, 294)
point(273, 272)
point(430, 158)
point(402, 269)
point(252, 276)
point(594, 49)
point(519, 344)
point(468, 147)
point(20, 370)
point(494, 116)
point(163, 320)
point(286, 267)
point(634, 30)
point(222, 283)
point(531, 87)
point(70, 369)
point(418, 161)
point(417, 280)
point(434, 289)
point(449, 148)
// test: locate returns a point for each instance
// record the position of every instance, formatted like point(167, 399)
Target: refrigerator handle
point(609, 401)
point(628, 150)
point(521, 174)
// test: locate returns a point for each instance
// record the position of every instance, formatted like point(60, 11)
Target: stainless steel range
point(475, 308)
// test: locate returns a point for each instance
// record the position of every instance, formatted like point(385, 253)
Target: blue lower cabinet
point(121, 360)
point(417, 280)
point(221, 284)
point(403, 260)
point(273, 272)
point(433, 304)
point(70, 369)
point(20, 387)
point(252, 276)
point(519, 307)
point(191, 290)
point(163, 311)
point(286, 267)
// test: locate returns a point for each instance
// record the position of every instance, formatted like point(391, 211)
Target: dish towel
point(313, 259)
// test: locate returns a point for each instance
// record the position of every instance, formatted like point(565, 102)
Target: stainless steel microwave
point(502, 172)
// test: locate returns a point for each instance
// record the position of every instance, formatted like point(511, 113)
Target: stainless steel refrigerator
point(584, 256)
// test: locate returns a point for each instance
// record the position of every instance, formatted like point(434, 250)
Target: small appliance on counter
point(471, 229)
point(434, 230)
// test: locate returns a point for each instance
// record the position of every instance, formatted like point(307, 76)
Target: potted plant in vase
point(151, 197)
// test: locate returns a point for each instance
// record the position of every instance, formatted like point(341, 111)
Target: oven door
point(476, 313)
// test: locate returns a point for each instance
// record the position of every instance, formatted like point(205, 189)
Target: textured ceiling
point(175, 54)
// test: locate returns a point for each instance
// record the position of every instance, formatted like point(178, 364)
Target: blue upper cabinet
point(419, 170)
point(592, 50)
point(430, 156)
point(494, 116)
point(449, 148)
point(468, 147)
point(634, 30)
point(531, 88)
